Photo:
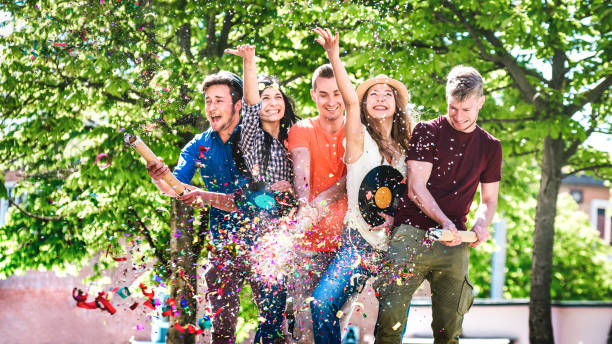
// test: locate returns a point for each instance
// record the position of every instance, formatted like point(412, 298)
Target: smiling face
point(328, 99)
point(380, 101)
point(220, 112)
point(462, 114)
point(272, 105)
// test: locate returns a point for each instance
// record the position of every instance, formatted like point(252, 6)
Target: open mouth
point(380, 108)
point(272, 112)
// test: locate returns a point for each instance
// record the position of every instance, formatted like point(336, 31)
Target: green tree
point(548, 72)
point(76, 76)
point(578, 247)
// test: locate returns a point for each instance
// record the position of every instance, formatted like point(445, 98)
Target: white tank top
point(356, 171)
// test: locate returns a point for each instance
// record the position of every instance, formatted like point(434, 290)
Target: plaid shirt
point(252, 145)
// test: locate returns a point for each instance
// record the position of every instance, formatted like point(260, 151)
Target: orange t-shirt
point(326, 168)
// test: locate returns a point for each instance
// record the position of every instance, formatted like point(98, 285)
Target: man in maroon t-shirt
point(447, 159)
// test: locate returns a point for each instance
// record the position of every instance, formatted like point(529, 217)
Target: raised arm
point(486, 211)
point(353, 128)
point(247, 52)
point(418, 175)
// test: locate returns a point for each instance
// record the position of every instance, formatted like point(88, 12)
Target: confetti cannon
point(141, 148)
point(435, 234)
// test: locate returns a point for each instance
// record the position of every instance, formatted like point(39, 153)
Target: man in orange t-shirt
point(316, 146)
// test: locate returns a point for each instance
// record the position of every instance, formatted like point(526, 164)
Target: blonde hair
point(463, 82)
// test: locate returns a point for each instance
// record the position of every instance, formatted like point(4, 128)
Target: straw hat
point(402, 91)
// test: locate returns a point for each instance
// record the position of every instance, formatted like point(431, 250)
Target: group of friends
point(314, 168)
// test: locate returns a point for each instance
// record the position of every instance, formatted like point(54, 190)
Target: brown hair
point(324, 71)
point(464, 82)
point(401, 129)
point(229, 79)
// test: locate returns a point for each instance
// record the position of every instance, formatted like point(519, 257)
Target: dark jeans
point(224, 278)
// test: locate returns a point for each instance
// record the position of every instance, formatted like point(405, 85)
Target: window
point(4, 203)
point(601, 222)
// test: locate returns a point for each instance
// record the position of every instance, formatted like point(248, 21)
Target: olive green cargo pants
point(409, 261)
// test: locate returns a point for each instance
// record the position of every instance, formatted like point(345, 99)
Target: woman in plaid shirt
point(267, 115)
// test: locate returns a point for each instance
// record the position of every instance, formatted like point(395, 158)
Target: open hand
point(328, 41)
point(281, 186)
point(246, 51)
point(387, 225)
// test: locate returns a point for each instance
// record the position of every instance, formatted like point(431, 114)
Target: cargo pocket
point(467, 297)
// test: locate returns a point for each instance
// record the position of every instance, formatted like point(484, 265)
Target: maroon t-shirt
point(460, 162)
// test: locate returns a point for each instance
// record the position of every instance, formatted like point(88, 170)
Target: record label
point(380, 191)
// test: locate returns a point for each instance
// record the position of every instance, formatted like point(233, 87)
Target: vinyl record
point(380, 191)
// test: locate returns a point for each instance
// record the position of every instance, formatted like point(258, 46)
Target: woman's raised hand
point(246, 51)
point(330, 42)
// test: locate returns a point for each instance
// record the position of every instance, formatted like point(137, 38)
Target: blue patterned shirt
point(207, 152)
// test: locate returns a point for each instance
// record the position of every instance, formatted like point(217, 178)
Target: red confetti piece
point(133, 306)
point(203, 150)
point(144, 291)
point(119, 259)
point(179, 328)
point(106, 305)
point(81, 299)
point(149, 304)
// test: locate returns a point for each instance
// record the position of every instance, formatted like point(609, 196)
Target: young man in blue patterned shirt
point(211, 152)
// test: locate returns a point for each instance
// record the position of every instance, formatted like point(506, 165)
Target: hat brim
point(402, 91)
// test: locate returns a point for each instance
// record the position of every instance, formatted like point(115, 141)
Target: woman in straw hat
point(377, 128)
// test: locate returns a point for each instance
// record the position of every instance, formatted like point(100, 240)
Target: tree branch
point(21, 105)
point(210, 35)
point(507, 120)
point(590, 168)
point(558, 70)
point(517, 72)
point(225, 30)
point(38, 217)
point(514, 155)
point(147, 233)
point(59, 173)
point(290, 79)
point(590, 96)
point(487, 92)
point(184, 35)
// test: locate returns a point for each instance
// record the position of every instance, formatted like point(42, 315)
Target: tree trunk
point(540, 322)
point(183, 284)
